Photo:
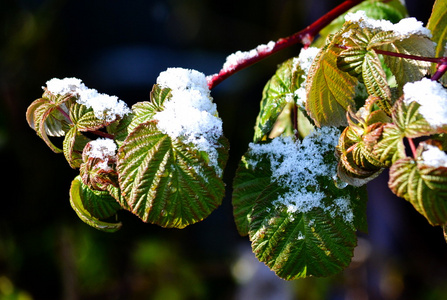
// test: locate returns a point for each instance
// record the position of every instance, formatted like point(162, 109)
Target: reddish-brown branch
point(304, 36)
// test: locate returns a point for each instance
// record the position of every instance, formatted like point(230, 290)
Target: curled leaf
point(91, 206)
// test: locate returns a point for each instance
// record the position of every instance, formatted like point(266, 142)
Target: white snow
point(103, 149)
point(105, 107)
point(404, 28)
point(432, 97)
point(190, 113)
point(240, 56)
point(296, 165)
point(63, 86)
point(433, 156)
point(304, 61)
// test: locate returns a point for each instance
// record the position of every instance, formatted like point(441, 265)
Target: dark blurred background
point(119, 48)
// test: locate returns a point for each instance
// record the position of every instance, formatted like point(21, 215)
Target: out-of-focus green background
point(119, 47)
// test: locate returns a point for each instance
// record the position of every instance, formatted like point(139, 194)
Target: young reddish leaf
point(48, 116)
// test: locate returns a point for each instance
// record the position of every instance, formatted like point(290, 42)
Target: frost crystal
point(240, 56)
point(104, 106)
point(404, 27)
point(190, 112)
point(296, 166)
point(432, 97)
point(304, 61)
point(433, 156)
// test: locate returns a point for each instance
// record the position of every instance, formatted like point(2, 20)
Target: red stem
point(412, 147)
point(304, 36)
point(413, 57)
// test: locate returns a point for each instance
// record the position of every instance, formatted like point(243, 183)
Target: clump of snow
point(297, 165)
point(432, 97)
point(66, 85)
point(304, 61)
point(240, 56)
point(403, 28)
point(103, 149)
point(190, 112)
point(434, 157)
point(105, 107)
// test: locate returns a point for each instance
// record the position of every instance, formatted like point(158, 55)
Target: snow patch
point(404, 28)
point(296, 165)
point(434, 157)
point(240, 56)
point(432, 97)
point(105, 107)
point(190, 112)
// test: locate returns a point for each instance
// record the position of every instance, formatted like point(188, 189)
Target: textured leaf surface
point(98, 203)
point(407, 122)
point(423, 186)
point(165, 181)
point(406, 70)
point(252, 176)
point(144, 111)
point(302, 244)
point(329, 90)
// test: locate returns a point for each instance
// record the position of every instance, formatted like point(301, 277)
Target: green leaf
point(145, 111)
point(87, 203)
point(407, 122)
point(329, 90)
point(375, 78)
point(84, 118)
point(438, 26)
point(276, 95)
point(167, 182)
point(280, 184)
point(295, 245)
point(252, 176)
point(73, 145)
point(408, 70)
point(425, 187)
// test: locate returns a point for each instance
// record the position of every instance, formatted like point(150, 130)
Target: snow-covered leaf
point(167, 182)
